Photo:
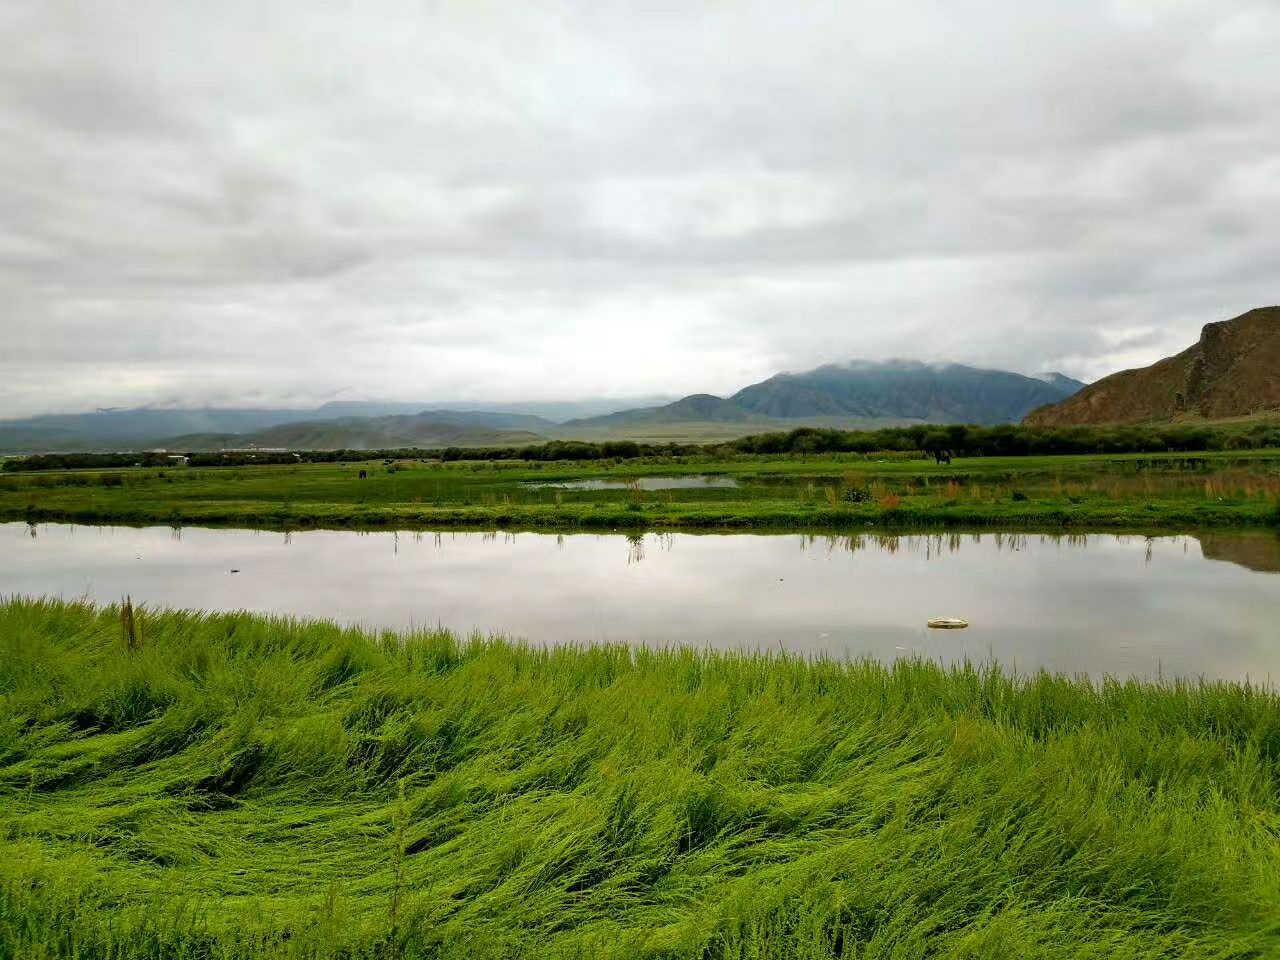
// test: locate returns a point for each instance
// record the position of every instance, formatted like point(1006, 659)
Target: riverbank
point(659, 517)
point(233, 786)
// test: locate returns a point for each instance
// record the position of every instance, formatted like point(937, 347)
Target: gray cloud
point(243, 202)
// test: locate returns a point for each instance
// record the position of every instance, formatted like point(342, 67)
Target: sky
point(246, 203)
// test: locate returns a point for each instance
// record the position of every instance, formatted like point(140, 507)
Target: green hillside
point(892, 392)
point(950, 393)
point(363, 433)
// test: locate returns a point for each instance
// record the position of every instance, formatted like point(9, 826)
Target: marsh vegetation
point(1135, 491)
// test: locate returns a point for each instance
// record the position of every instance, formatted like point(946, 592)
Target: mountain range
point(854, 394)
point(1232, 371)
point(891, 391)
point(129, 429)
point(426, 429)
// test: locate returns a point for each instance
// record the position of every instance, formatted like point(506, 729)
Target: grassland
point(712, 431)
point(825, 491)
point(230, 787)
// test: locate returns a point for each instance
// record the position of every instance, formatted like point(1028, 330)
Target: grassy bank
point(792, 491)
point(232, 786)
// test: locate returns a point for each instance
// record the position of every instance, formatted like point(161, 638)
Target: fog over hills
point(278, 205)
point(861, 392)
point(889, 391)
point(122, 429)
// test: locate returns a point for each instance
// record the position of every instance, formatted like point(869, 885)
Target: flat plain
point(1132, 491)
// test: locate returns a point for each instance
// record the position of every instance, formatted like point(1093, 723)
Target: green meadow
point(177, 785)
point(781, 491)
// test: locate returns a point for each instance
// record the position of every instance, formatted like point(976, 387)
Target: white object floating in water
point(947, 623)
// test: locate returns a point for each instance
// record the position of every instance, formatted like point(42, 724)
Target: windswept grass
point(244, 787)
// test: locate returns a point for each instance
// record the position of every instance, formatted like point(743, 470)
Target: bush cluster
point(1010, 440)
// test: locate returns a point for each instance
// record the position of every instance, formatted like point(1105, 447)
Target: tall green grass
point(245, 787)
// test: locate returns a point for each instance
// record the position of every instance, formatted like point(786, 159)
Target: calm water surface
point(641, 483)
point(1099, 604)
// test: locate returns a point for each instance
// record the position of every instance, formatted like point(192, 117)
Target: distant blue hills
point(859, 392)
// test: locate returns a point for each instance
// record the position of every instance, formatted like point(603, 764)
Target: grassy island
point(785, 491)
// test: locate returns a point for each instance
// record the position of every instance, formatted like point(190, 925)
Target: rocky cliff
point(1233, 371)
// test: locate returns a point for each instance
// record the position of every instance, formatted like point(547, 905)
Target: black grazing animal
point(364, 474)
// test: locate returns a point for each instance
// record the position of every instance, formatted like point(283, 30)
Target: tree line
point(1012, 440)
point(962, 440)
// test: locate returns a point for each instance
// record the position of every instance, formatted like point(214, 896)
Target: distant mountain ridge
point(856, 394)
point(1062, 382)
point(895, 390)
point(428, 429)
point(139, 428)
point(549, 411)
point(698, 407)
point(1232, 371)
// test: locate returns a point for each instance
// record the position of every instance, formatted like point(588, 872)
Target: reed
point(130, 631)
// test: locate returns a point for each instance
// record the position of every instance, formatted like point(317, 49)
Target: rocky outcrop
point(1233, 371)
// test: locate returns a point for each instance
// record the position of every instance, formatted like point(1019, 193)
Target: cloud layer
point(290, 202)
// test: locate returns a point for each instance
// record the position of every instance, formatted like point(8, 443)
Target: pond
point(1099, 604)
point(695, 482)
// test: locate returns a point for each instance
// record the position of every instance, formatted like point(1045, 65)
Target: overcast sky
point(246, 202)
